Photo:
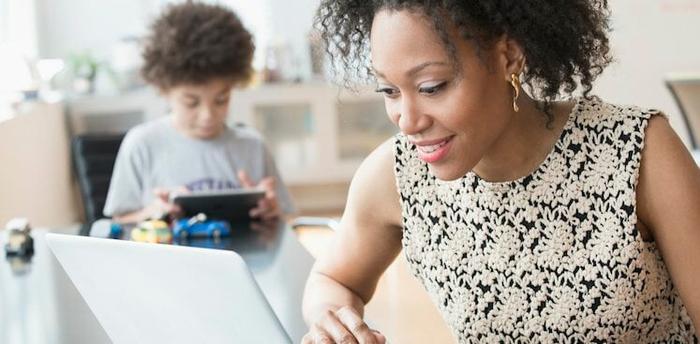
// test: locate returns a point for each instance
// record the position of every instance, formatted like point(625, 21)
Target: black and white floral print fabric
point(553, 257)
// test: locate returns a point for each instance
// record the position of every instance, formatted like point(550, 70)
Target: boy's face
point(200, 110)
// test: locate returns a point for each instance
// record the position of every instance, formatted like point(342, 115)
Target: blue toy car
point(199, 226)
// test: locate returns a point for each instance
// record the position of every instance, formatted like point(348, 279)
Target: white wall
point(74, 26)
point(17, 26)
point(650, 39)
point(70, 26)
point(291, 23)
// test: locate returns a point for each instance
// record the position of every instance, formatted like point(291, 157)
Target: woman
point(527, 216)
point(195, 55)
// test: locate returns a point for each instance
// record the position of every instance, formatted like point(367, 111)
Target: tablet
point(230, 205)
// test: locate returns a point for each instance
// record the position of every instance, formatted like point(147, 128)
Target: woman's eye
point(430, 90)
point(192, 105)
point(222, 101)
point(388, 92)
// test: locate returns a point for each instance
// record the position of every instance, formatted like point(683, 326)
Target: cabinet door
point(362, 126)
point(289, 131)
point(317, 133)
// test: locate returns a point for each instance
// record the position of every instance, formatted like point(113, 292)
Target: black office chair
point(93, 158)
point(686, 92)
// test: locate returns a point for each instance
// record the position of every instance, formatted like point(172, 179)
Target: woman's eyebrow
point(414, 70)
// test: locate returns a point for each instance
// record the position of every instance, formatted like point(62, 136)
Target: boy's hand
point(161, 205)
point(268, 207)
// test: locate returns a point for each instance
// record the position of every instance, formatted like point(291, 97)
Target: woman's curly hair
point(192, 42)
point(564, 41)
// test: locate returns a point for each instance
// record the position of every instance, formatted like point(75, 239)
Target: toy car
point(18, 241)
point(19, 264)
point(154, 231)
point(199, 226)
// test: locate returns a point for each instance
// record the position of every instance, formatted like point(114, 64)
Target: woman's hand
point(343, 325)
point(268, 207)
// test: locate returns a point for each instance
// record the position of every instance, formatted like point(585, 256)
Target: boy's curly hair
point(564, 41)
point(192, 42)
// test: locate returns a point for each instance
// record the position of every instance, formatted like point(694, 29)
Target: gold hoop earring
point(515, 82)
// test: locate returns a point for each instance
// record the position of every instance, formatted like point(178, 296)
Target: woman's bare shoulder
point(373, 193)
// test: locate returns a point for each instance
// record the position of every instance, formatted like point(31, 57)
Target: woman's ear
point(509, 56)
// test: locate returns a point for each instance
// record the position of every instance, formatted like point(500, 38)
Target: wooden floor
point(401, 308)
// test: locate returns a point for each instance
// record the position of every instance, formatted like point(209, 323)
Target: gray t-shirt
point(154, 154)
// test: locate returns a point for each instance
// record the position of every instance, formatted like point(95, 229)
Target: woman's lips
point(433, 151)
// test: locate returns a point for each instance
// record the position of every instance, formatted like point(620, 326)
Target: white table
point(39, 304)
point(696, 155)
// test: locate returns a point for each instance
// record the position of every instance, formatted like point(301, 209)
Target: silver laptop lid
point(148, 293)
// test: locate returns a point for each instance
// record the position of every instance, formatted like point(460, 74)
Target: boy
point(195, 55)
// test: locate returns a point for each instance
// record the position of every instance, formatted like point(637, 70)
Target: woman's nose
point(411, 120)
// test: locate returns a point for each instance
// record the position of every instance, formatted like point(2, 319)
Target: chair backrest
point(93, 157)
point(686, 91)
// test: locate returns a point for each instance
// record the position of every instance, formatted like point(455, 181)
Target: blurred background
point(70, 67)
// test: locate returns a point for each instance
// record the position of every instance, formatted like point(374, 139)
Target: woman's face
point(200, 110)
point(452, 111)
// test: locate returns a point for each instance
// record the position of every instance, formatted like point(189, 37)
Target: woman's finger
point(335, 328)
point(353, 322)
point(308, 338)
point(381, 339)
point(320, 336)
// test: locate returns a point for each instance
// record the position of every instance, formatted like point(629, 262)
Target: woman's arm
point(369, 238)
point(668, 205)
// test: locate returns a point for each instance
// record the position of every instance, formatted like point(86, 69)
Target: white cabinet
point(317, 133)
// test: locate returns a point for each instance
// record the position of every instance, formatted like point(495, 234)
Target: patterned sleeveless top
point(551, 257)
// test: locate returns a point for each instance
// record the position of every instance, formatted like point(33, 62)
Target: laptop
point(150, 293)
